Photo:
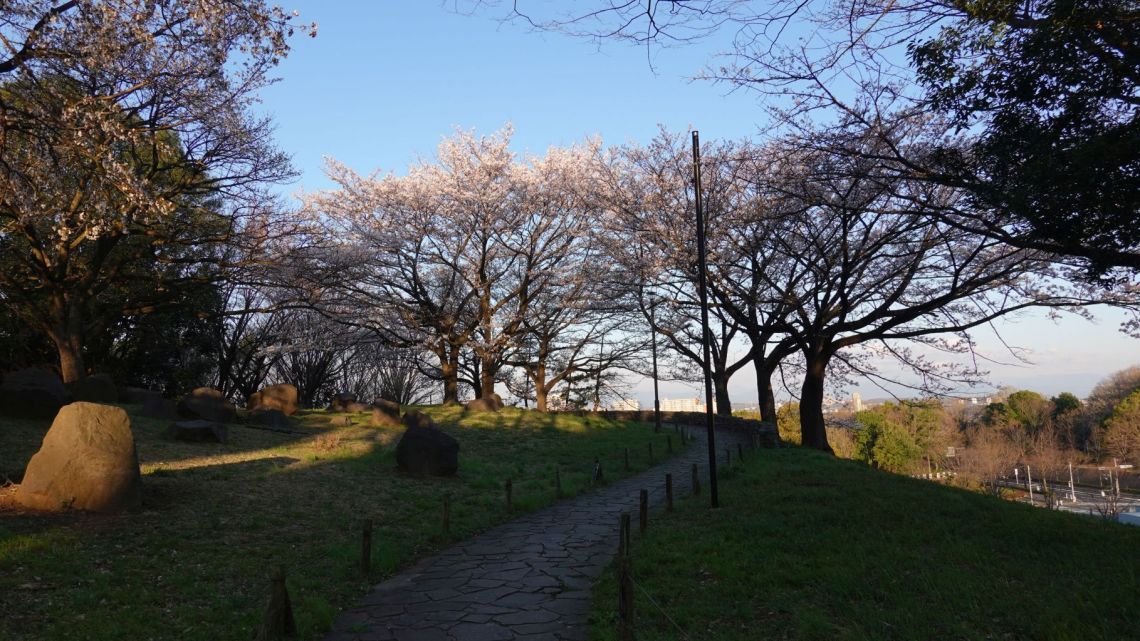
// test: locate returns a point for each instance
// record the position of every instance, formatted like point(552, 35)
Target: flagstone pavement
point(527, 579)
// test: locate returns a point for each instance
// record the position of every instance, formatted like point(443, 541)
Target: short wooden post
point(625, 453)
point(727, 458)
point(625, 582)
point(447, 515)
point(278, 622)
point(651, 453)
point(643, 512)
point(696, 480)
point(510, 505)
point(366, 547)
point(668, 492)
point(740, 452)
point(557, 483)
point(668, 443)
point(598, 475)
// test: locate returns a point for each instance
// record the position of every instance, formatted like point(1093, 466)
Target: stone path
point(527, 579)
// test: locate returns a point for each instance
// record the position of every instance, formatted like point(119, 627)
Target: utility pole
point(1072, 488)
point(705, 332)
point(1029, 482)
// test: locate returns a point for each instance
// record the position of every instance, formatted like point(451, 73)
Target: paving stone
point(480, 632)
point(527, 616)
point(527, 579)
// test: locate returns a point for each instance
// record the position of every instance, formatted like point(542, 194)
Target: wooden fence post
point(446, 515)
point(366, 547)
point(643, 512)
point(278, 622)
point(625, 454)
point(625, 582)
point(510, 505)
point(668, 492)
point(557, 482)
point(696, 480)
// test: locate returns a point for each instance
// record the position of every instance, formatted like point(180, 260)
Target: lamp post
point(714, 497)
point(653, 351)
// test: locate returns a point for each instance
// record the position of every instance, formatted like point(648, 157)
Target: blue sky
point(385, 81)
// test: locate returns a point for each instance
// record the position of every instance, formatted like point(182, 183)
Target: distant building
point(856, 401)
point(683, 405)
point(626, 405)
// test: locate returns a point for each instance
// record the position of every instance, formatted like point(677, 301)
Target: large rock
point(99, 388)
point(424, 450)
point(32, 393)
point(136, 395)
point(198, 432)
point(155, 406)
point(207, 404)
point(269, 418)
point(340, 402)
point(282, 397)
point(87, 462)
point(385, 413)
point(492, 403)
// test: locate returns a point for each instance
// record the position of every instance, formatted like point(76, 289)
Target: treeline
point(138, 237)
point(983, 443)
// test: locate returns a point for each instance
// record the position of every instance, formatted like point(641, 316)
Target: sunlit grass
point(194, 562)
point(809, 547)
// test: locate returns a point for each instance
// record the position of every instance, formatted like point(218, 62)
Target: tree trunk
point(487, 377)
point(540, 388)
point(449, 370)
point(720, 393)
point(812, 429)
point(764, 393)
point(70, 347)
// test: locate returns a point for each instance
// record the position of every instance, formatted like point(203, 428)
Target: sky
point(385, 81)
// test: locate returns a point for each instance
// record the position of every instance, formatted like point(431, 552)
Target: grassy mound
point(809, 547)
point(195, 562)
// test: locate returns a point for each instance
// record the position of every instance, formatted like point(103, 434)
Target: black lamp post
point(653, 352)
point(705, 333)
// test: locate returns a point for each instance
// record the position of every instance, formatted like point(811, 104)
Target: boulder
point(197, 432)
point(94, 389)
point(136, 395)
point(341, 401)
point(87, 462)
point(424, 450)
point(207, 404)
point(32, 393)
point(155, 406)
point(485, 404)
point(282, 397)
point(268, 418)
point(385, 413)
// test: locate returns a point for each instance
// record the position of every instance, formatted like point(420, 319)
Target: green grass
point(809, 547)
point(194, 563)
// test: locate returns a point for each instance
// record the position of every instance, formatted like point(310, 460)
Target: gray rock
point(425, 450)
point(99, 388)
point(341, 401)
point(87, 462)
point(385, 413)
point(32, 393)
point(269, 418)
point(197, 432)
point(207, 404)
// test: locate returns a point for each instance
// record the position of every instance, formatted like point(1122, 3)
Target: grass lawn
point(194, 562)
point(806, 546)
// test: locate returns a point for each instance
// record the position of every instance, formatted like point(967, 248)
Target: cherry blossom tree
point(128, 153)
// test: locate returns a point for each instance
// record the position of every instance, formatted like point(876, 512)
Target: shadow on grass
point(193, 563)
